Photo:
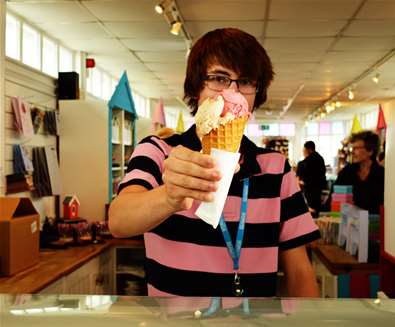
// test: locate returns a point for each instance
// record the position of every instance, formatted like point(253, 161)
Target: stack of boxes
point(341, 194)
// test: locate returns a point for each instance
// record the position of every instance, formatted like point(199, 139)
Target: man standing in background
point(311, 174)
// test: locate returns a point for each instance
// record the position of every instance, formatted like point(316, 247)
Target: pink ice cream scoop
point(235, 104)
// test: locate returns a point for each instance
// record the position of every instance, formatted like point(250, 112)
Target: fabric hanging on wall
point(21, 161)
point(37, 118)
point(41, 179)
point(22, 116)
point(17, 160)
point(53, 169)
point(50, 123)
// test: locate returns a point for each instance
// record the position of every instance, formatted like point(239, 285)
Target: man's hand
point(189, 175)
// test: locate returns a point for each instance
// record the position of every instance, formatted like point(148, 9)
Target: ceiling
point(318, 47)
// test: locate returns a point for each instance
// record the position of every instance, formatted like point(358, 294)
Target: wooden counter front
point(55, 264)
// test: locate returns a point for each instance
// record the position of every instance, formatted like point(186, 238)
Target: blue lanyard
point(234, 251)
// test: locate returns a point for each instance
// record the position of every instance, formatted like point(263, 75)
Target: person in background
point(364, 173)
point(168, 178)
point(311, 174)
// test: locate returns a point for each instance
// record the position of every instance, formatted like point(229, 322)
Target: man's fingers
point(189, 182)
point(185, 154)
point(191, 169)
point(176, 192)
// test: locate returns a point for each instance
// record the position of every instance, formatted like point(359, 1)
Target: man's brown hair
point(233, 49)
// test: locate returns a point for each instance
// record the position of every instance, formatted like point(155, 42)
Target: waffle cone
point(226, 137)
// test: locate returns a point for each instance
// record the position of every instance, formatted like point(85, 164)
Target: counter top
point(339, 261)
point(97, 311)
point(55, 264)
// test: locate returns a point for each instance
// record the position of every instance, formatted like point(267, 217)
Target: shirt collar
point(248, 164)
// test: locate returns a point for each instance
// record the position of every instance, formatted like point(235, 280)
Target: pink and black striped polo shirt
point(185, 256)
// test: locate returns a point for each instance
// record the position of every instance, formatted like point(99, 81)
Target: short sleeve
point(297, 225)
point(145, 166)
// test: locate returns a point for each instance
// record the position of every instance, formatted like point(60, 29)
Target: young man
point(364, 174)
point(311, 173)
point(167, 179)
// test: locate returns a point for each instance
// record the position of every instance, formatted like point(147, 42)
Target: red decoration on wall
point(90, 63)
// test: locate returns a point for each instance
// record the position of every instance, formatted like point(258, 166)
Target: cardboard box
point(19, 235)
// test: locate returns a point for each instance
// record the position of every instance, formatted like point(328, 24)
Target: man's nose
point(233, 85)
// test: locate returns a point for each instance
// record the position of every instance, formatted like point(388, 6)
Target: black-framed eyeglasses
point(220, 82)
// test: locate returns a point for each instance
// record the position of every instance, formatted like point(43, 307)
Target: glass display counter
point(95, 310)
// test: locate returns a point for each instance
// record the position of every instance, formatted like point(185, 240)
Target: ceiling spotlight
point(376, 78)
point(329, 108)
point(350, 94)
point(159, 9)
point(175, 27)
point(338, 104)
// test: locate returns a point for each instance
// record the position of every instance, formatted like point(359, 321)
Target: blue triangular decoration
point(122, 97)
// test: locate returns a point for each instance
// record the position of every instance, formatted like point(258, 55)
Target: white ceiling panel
point(198, 28)
point(354, 56)
point(301, 28)
point(376, 28)
point(120, 58)
point(295, 57)
point(124, 10)
point(364, 43)
point(377, 10)
point(51, 12)
point(139, 29)
point(170, 44)
point(64, 31)
point(136, 75)
point(96, 46)
point(175, 68)
point(301, 44)
point(163, 56)
point(222, 10)
point(312, 10)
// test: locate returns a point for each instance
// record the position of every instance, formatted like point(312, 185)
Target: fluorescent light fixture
point(175, 27)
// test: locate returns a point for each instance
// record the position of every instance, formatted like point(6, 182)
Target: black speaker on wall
point(68, 86)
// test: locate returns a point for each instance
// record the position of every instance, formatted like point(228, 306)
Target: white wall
point(38, 89)
point(2, 92)
point(389, 203)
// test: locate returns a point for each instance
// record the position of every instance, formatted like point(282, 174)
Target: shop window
point(89, 81)
point(273, 130)
point(50, 57)
point(96, 83)
point(65, 60)
point(312, 129)
point(338, 127)
point(371, 119)
point(77, 64)
point(106, 86)
point(13, 37)
point(114, 84)
point(325, 128)
point(254, 130)
point(287, 129)
point(31, 47)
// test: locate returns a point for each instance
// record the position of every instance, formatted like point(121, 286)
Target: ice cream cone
point(226, 137)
